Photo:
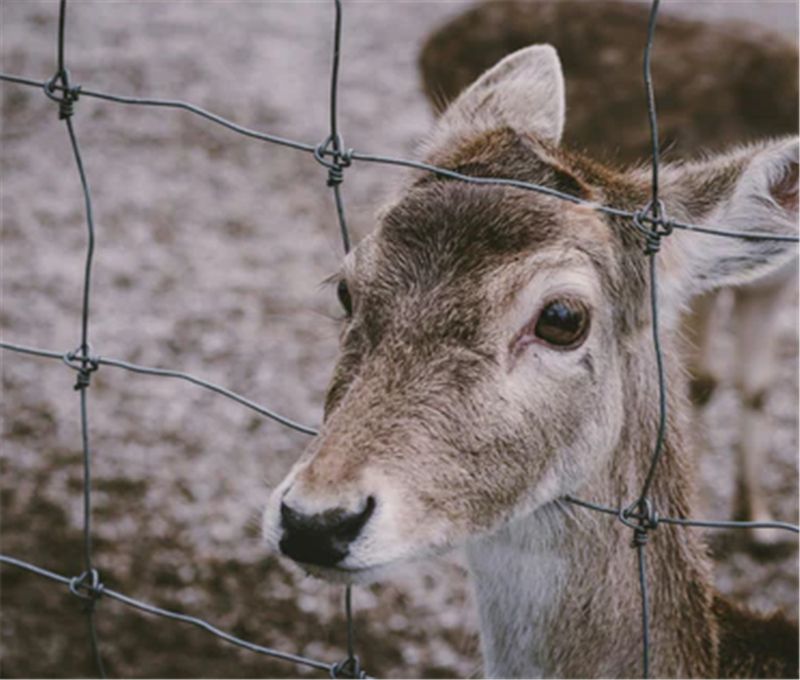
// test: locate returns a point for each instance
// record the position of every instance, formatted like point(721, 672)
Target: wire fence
point(651, 222)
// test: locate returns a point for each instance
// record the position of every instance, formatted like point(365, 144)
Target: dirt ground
point(210, 253)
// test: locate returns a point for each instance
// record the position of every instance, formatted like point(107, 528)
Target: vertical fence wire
point(68, 96)
point(646, 523)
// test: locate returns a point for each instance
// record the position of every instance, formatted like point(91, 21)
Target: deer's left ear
point(751, 190)
point(524, 91)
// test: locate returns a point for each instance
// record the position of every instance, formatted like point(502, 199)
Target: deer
point(747, 90)
point(497, 358)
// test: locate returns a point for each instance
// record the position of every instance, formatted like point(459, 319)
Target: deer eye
point(563, 323)
point(343, 293)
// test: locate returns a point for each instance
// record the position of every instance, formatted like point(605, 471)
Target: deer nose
point(323, 538)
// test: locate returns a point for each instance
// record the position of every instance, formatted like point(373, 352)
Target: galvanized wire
point(99, 590)
point(340, 158)
point(647, 522)
point(650, 221)
point(68, 358)
point(88, 586)
point(682, 521)
point(323, 150)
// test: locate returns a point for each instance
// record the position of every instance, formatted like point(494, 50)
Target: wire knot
point(335, 177)
point(640, 538)
point(340, 158)
point(348, 668)
point(652, 214)
point(642, 518)
point(88, 581)
point(81, 361)
point(69, 95)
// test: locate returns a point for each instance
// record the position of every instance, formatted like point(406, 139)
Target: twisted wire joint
point(340, 158)
point(88, 581)
point(642, 518)
point(81, 361)
point(348, 668)
point(69, 94)
point(659, 226)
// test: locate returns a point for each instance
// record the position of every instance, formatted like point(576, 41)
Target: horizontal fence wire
point(324, 151)
point(331, 153)
point(680, 521)
point(84, 589)
point(69, 359)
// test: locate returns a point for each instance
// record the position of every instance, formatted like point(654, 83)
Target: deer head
point(485, 358)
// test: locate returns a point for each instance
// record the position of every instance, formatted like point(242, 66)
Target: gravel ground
point(210, 253)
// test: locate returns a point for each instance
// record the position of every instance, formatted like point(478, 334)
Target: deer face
point(482, 365)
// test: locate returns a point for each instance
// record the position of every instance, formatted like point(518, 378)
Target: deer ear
point(524, 91)
point(752, 190)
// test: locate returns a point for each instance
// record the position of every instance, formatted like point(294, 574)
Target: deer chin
point(347, 575)
point(360, 568)
point(352, 576)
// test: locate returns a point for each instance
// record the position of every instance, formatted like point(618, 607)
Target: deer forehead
point(475, 241)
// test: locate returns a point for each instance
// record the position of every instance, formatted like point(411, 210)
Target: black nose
point(324, 538)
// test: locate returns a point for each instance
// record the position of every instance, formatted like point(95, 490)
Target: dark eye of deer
point(343, 293)
point(563, 323)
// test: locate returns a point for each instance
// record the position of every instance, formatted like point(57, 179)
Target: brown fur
point(603, 117)
point(750, 648)
point(690, 59)
point(460, 443)
point(416, 342)
point(715, 85)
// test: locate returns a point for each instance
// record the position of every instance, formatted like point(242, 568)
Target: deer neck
point(558, 590)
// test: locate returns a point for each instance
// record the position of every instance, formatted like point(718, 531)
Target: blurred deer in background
point(715, 86)
point(497, 356)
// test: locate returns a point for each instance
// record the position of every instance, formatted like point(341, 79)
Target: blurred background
point(211, 250)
